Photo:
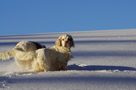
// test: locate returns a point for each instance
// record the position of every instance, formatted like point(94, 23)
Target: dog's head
point(65, 41)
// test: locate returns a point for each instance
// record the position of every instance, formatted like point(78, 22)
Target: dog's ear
point(72, 42)
point(58, 42)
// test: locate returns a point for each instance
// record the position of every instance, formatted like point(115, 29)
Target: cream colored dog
point(41, 60)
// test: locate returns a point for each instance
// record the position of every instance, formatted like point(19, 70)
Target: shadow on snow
point(99, 67)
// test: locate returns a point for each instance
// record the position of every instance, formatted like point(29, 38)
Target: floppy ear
point(72, 42)
point(58, 42)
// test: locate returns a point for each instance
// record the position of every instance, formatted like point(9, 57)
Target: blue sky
point(43, 16)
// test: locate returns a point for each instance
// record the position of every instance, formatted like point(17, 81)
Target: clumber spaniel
point(44, 59)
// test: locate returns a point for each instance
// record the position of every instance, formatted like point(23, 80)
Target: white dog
point(41, 60)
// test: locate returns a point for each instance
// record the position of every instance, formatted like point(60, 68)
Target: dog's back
point(38, 46)
point(29, 46)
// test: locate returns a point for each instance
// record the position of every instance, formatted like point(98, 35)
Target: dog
point(44, 59)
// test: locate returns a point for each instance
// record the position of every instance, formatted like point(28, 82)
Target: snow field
point(103, 60)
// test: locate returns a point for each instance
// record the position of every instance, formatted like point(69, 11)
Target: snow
point(103, 60)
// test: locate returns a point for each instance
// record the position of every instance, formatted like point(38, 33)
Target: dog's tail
point(7, 55)
point(18, 54)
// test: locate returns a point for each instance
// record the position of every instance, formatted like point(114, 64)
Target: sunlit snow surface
point(103, 60)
